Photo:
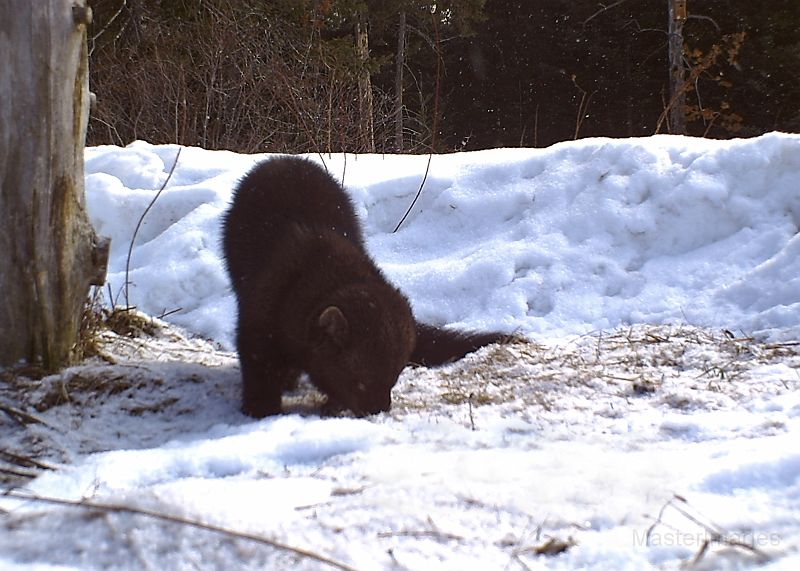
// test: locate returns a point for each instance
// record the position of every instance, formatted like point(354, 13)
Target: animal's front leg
point(265, 376)
point(260, 395)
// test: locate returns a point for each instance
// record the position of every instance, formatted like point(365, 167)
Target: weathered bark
point(677, 69)
point(400, 62)
point(365, 88)
point(49, 253)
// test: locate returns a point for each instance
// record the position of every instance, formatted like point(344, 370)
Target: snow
point(581, 236)
point(657, 403)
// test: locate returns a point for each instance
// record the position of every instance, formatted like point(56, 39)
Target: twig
point(111, 299)
point(20, 416)
point(432, 532)
point(437, 47)
point(422, 533)
point(419, 193)
point(107, 26)
point(783, 345)
point(516, 557)
point(665, 113)
point(139, 224)
point(167, 313)
point(471, 417)
point(715, 533)
point(23, 461)
point(18, 473)
point(706, 18)
point(119, 508)
point(582, 106)
point(344, 166)
point(603, 9)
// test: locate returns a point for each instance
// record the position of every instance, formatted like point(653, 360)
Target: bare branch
point(603, 9)
point(705, 18)
point(139, 224)
point(120, 508)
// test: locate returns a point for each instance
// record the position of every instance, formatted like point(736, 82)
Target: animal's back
point(275, 196)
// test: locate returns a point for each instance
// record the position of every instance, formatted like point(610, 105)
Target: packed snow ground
point(656, 408)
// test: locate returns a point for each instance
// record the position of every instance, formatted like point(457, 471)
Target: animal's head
point(360, 344)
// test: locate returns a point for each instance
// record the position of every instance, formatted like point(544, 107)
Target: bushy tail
point(437, 346)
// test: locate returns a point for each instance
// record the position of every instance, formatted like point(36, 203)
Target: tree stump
point(49, 253)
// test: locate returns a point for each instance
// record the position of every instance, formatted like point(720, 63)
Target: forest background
point(415, 75)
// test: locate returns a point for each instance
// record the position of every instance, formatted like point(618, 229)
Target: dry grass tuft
point(97, 319)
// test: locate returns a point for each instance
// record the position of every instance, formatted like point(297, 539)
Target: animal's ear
point(334, 324)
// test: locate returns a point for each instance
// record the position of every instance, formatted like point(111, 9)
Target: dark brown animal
point(311, 300)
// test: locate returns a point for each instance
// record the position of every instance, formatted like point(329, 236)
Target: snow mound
point(581, 236)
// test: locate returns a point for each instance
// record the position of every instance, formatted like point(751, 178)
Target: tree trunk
point(398, 83)
point(49, 253)
point(677, 69)
point(364, 87)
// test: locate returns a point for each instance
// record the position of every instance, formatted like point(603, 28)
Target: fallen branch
point(120, 508)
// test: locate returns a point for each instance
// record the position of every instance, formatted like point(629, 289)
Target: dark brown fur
point(311, 300)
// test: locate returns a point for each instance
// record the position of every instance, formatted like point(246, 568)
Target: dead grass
point(97, 384)
point(122, 321)
point(605, 373)
point(665, 362)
